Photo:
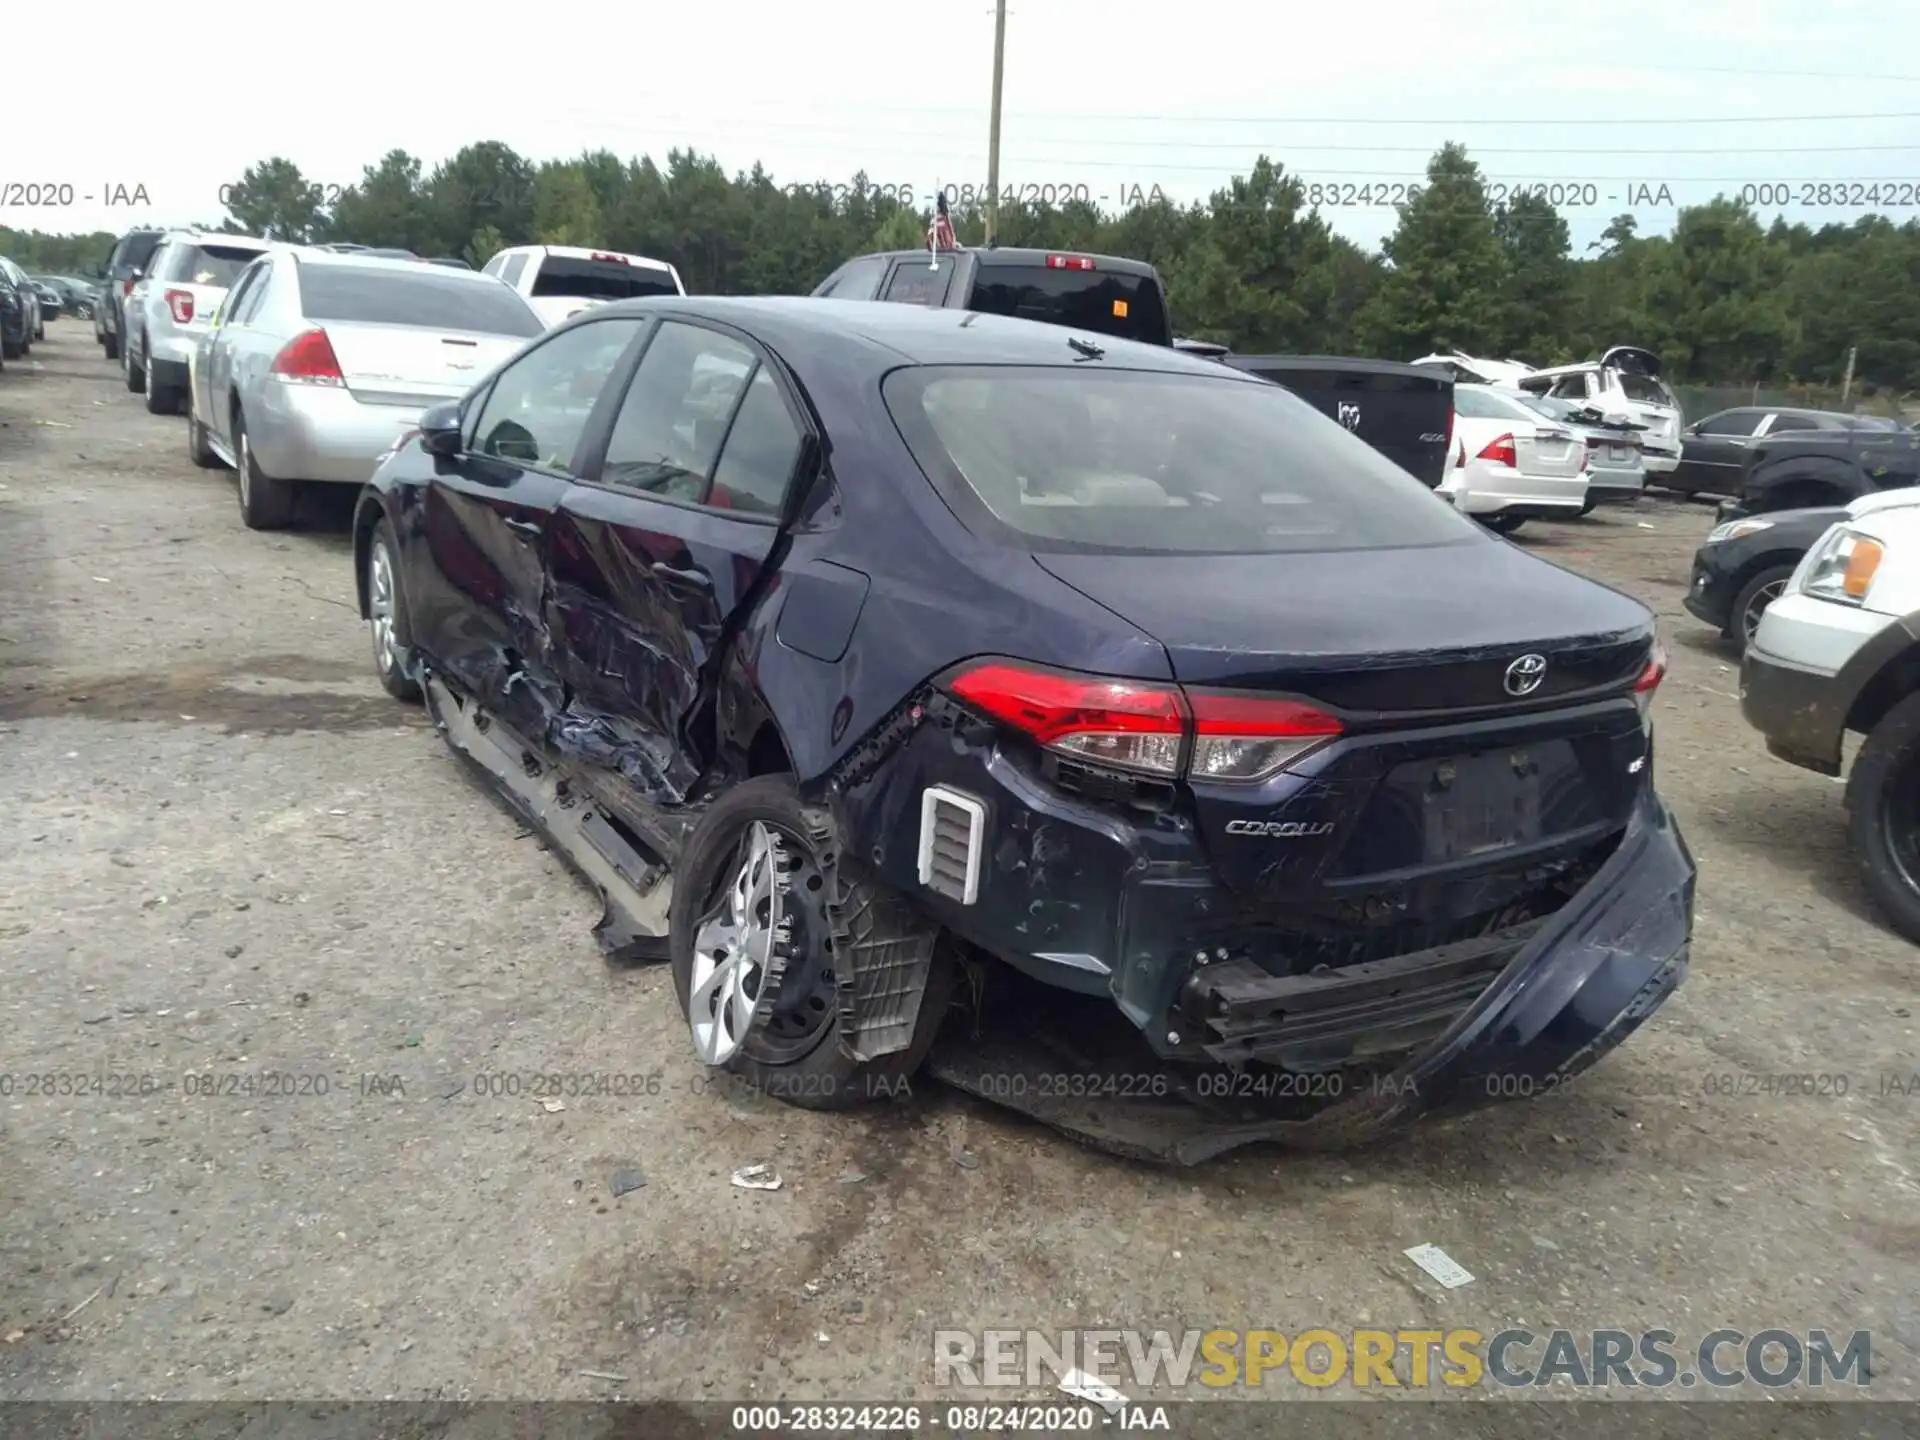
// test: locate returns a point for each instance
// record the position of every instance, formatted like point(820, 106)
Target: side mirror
point(440, 428)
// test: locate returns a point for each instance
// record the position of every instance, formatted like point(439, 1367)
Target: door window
point(538, 407)
point(239, 295)
point(1731, 422)
point(1792, 422)
point(916, 284)
point(756, 463)
point(1571, 387)
point(676, 412)
point(858, 279)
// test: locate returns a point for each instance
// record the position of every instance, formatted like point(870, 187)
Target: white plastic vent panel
point(952, 825)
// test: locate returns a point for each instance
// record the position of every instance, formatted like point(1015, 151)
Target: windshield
point(599, 279)
point(1128, 307)
point(428, 296)
point(1116, 461)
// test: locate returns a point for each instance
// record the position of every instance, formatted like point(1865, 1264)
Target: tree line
point(1723, 299)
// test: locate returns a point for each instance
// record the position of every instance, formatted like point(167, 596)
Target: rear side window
point(134, 250)
point(1792, 422)
point(1128, 307)
point(425, 295)
point(219, 265)
point(1117, 461)
point(599, 279)
point(761, 450)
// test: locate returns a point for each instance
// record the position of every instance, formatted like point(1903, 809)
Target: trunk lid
point(1403, 411)
point(1552, 450)
point(1447, 796)
point(410, 365)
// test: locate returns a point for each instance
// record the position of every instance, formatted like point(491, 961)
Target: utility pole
point(1846, 385)
point(993, 123)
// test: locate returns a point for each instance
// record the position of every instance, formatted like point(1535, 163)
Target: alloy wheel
point(1757, 606)
point(380, 606)
point(765, 921)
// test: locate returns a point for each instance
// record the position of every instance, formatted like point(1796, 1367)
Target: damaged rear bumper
point(1570, 988)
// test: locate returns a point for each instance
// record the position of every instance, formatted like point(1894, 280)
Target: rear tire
point(1504, 524)
point(136, 377)
point(162, 399)
point(198, 451)
point(1883, 815)
point(111, 344)
point(1758, 593)
point(265, 503)
point(777, 1053)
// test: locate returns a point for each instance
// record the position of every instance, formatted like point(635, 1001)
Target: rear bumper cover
point(1124, 913)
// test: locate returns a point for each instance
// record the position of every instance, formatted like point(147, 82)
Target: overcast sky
point(1608, 102)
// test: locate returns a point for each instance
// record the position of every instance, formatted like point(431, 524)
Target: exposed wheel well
point(1807, 494)
point(1897, 680)
point(767, 755)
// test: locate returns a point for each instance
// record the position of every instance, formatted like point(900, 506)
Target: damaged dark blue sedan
point(1104, 723)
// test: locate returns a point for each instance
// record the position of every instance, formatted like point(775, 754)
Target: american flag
point(940, 234)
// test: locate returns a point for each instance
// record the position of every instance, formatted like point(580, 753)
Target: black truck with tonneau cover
point(1404, 411)
point(1804, 469)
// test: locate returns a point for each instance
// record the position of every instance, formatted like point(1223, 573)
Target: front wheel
point(1751, 603)
point(754, 957)
point(387, 622)
point(1883, 815)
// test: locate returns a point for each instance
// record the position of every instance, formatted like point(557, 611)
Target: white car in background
point(1625, 380)
point(170, 310)
point(559, 281)
point(1471, 370)
point(1512, 464)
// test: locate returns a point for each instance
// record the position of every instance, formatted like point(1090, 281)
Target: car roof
point(916, 334)
point(1023, 255)
point(392, 264)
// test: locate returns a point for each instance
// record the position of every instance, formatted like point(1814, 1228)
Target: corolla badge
point(1349, 415)
point(1280, 829)
point(1525, 674)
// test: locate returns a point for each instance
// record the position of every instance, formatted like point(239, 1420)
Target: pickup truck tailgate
point(1403, 411)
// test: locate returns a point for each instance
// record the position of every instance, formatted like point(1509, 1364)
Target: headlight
point(1843, 567)
point(1735, 529)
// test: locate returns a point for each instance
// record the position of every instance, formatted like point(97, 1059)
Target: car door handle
point(524, 527)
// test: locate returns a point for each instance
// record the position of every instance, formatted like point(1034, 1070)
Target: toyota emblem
point(1525, 674)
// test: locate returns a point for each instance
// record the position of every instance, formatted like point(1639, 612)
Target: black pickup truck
point(1797, 469)
point(1404, 411)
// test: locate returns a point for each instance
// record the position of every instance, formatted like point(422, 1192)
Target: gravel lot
point(225, 850)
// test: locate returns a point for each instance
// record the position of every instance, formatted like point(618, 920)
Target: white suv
point(559, 281)
point(168, 310)
point(1839, 651)
point(1625, 380)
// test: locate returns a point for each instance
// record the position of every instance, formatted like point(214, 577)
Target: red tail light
point(1070, 262)
point(1147, 728)
point(1450, 420)
point(181, 303)
point(1501, 452)
point(309, 357)
point(126, 287)
point(1651, 677)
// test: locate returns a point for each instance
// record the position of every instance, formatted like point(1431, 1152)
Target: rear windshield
point(423, 295)
point(599, 279)
point(1646, 389)
point(1480, 405)
point(1129, 307)
point(206, 264)
point(1115, 461)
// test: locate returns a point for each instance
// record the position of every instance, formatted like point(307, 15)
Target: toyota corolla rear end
point(1386, 814)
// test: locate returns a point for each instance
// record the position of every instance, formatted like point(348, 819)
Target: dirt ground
point(225, 850)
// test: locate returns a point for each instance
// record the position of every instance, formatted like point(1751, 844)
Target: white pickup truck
point(559, 281)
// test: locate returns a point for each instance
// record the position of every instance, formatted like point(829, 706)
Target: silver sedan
point(318, 362)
